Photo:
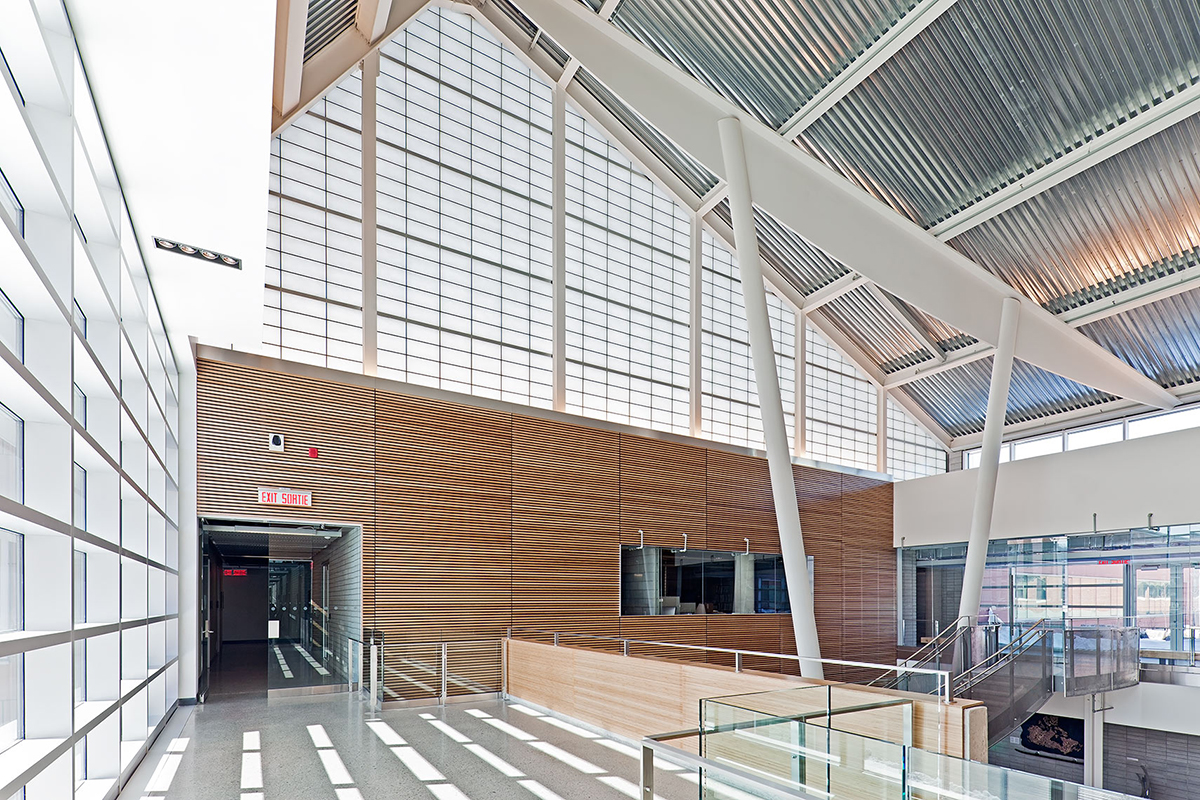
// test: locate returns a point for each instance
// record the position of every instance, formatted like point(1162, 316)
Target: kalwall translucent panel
point(464, 219)
point(728, 392)
point(628, 248)
point(911, 451)
point(313, 293)
point(841, 406)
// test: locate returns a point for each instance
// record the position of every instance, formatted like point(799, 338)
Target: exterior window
point(8, 199)
point(12, 697)
point(12, 573)
point(80, 670)
point(12, 455)
point(12, 327)
point(665, 581)
point(80, 583)
point(79, 317)
point(80, 408)
point(80, 488)
point(80, 761)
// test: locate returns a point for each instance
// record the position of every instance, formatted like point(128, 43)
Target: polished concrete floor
point(243, 668)
point(251, 748)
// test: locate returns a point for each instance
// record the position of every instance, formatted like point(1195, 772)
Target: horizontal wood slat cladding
point(663, 492)
point(475, 520)
point(565, 527)
point(740, 504)
point(759, 632)
point(444, 488)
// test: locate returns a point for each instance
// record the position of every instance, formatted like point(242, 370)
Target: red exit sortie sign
point(284, 497)
point(235, 573)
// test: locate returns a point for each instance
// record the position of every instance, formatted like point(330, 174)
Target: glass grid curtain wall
point(82, 695)
point(464, 253)
point(729, 396)
point(911, 451)
point(840, 404)
point(313, 294)
point(628, 259)
point(464, 149)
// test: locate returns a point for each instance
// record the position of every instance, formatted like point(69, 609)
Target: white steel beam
point(695, 328)
point(1134, 297)
point(338, 58)
point(371, 18)
point(558, 238)
point(830, 212)
point(904, 31)
point(770, 403)
point(1154, 120)
point(370, 216)
point(832, 291)
point(291, 19)
point(607, 9)
point(909, 324)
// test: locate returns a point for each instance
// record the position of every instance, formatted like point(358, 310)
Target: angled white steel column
point(770, 403)
point(989, 462)
point(558, 238)
point(801, 414)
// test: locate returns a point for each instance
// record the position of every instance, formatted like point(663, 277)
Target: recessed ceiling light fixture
point(196, 252)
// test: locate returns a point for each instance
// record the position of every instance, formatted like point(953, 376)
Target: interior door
point(206, 629)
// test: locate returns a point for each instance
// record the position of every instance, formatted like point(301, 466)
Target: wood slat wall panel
point(688, 629)
point(740, 504)
point(475, 520)
point(759, 632)
point(663, 492)
point(238, 410)
point(565, 527)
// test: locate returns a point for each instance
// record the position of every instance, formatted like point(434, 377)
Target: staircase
point(1016, 679)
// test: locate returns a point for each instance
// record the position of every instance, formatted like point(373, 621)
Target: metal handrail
point(936, 644)
point(996, 661)
point(708, 767)
point(945, 689)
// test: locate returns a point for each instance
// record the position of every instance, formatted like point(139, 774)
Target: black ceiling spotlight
point(197, 252)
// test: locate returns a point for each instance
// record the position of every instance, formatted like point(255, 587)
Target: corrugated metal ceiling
point(1126, 221)
point(957, 398)
point(994, 89)
point(768, 56)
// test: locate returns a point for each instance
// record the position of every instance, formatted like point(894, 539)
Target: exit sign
point(284, 497)
point(235, 573)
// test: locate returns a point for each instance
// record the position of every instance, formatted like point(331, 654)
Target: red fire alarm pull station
point(312, 452)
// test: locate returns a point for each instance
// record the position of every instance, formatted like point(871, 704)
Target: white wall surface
point(1155, 706)
point(1120, 482)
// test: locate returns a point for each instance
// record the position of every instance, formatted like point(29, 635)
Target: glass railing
point(828, 749)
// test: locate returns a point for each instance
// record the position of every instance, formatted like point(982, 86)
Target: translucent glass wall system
point(314, 243)
point(840, 404)
point(88, 425)
point(464, 187)
point(728, 395)
point(628, 255)
point(911, 451)
point(463, 257)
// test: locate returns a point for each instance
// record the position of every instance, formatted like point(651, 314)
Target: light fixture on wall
point(684, 550)
point(641, 539)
